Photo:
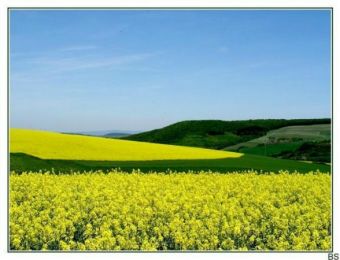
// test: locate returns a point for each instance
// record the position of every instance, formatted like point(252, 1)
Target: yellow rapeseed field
point(50, 145)
point(176, 211)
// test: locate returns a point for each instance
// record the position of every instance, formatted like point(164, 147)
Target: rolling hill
point(217, 134)
point(33, 150)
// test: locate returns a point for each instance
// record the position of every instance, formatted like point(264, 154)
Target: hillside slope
point(217, 134)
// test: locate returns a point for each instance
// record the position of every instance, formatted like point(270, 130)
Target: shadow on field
point(20, 162)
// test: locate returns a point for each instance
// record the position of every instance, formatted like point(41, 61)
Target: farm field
point(50, 145)
point(40, 150)
point(66, 193)
point(173, 211)
point(294, 134)
point(291, 142)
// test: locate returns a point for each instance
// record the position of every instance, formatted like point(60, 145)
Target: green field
point(291, 134)
point(307, 142)
point(41, 150)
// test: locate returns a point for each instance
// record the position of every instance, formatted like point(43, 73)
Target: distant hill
point(218, 134)
point(116, 134)
point(105, 133)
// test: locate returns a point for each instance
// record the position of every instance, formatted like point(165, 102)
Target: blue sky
point(142, 69)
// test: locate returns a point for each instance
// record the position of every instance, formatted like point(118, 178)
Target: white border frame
point(4, 4)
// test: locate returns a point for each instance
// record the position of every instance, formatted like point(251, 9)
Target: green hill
point(217, 134)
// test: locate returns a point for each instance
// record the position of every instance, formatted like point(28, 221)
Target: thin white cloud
point(66, 49)
point(78, 48)
point(56, 65)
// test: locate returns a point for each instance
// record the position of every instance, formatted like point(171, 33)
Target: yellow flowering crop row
point(49, 145)
point(177, 211)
